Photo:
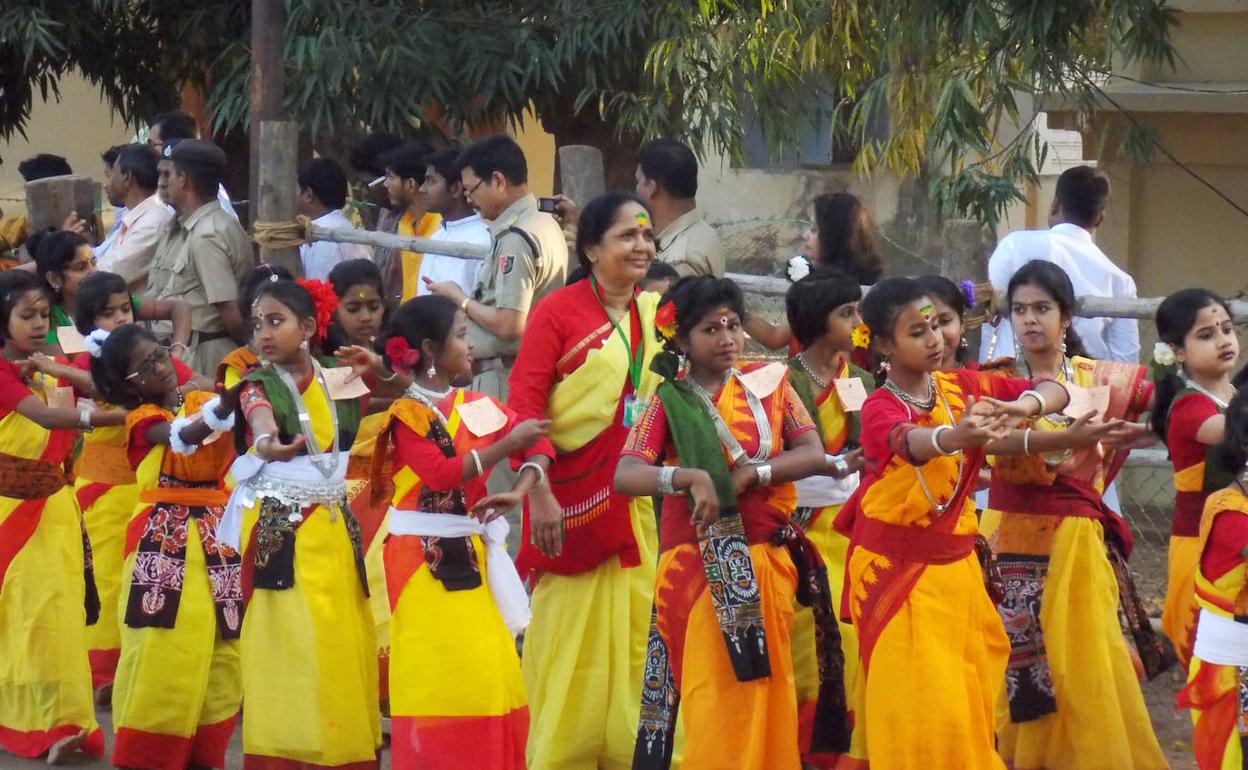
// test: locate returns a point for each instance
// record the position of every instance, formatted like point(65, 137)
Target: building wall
point(79, 128)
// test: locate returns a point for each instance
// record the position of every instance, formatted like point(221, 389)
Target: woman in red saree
point(734, 438)
point(584, 364)
point(1072, 696)
point(1194, 357)
point(930, 640)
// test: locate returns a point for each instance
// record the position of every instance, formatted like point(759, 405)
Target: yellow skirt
point(584, 657)
point(832, 547)
point(456, 694)
point(1212, 694)
point(45, 678)
point(1101, 720)
point(379, 606)
point(178, 690)
point(1178, 616)
point(731, 724)
point(935, 673)
point(106, 519)
point(309, 658)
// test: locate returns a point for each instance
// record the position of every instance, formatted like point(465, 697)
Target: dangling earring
point(963, 346)
point(885, 367)
point(1062, 347)
point(431, 372)
point(303, 345)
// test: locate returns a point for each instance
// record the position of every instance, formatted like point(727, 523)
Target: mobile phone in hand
point(548, 205)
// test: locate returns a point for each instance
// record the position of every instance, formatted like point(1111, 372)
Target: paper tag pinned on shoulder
point(71, 340)
point(339, 388)
point(482, 416)
point(851, 392)
point(763, 381)
point(1084, 400)
point(61, 397)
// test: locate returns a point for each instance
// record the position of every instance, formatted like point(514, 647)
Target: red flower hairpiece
point(665, 320)
point(324, 302)
point(402, 355)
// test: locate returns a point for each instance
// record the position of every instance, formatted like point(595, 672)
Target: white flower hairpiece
point(95, 342)
point(1163, 354)
point(799, 268)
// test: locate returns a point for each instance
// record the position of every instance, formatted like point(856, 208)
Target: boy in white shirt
point(322, 194)
point(444, 194)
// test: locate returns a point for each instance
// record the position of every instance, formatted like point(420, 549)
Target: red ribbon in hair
point(402, 355)
point(324, 302)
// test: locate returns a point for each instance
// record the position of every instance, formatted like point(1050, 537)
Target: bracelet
point(209, 412)
point(463, 305)
point(255, 442)
point(764, 474)
point(1044, 406)
point(390, 378)
point(837, 462)
point(667, 479)
point(934, 437)
point(176, 443)
point(476, 460)
point(1027, 440)
point(182, 345)
point(541, 472)
point(84, 420)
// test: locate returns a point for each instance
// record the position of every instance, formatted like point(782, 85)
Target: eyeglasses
point(159, 357)
point(470, 190)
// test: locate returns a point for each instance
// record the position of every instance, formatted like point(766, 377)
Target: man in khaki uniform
point(529, 259)
point(203, 254)
point(667, 180)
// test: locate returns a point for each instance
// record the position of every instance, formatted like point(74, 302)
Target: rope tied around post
point(283, 235)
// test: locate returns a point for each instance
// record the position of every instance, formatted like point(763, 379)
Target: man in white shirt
point(322, 194)
point(131, 182)
point(1077, 211)
point(444, 194)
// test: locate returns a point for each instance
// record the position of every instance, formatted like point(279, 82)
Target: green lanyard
point(634, 360)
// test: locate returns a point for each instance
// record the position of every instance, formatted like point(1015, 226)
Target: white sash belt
point(1220, 640)
point(295, 481)
point(501, 575)
point(822, 491)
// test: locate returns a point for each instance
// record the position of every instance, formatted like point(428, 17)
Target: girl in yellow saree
point(1072, 696)
point(930, 640)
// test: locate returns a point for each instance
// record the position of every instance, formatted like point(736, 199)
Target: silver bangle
point(541, 472)
point(1044, 405)
point(255, 442)
point(476, 460)
point(837, 462)
point(934, 437)
point(667, 479)
point(84, 420)
point(1027, 440)
point(764, 474)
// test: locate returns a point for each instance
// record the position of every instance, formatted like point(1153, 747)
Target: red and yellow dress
point(1194, 480)
point(105, 486)
point(729, 723)
point(309, 657)
point(1072, 697)
point(456, 694)
point(816, 514)
point(931, 643)
point(45, 676)
point(584, 652)
point(178, 685)
point(232, 368)
point(1217, 682)
point(372, 519)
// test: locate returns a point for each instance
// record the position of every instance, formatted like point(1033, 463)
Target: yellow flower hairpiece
point(861, 336)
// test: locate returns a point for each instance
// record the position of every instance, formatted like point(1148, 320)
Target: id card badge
point(632, 410)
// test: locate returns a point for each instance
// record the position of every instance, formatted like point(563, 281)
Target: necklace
point(325, 463)
point(922, 404)
point(801, 360)
point(1196, 386)
point(428, 398)
point(937, 506)
point(730, 442)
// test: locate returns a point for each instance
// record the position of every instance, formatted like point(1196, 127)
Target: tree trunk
point(587, 127)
